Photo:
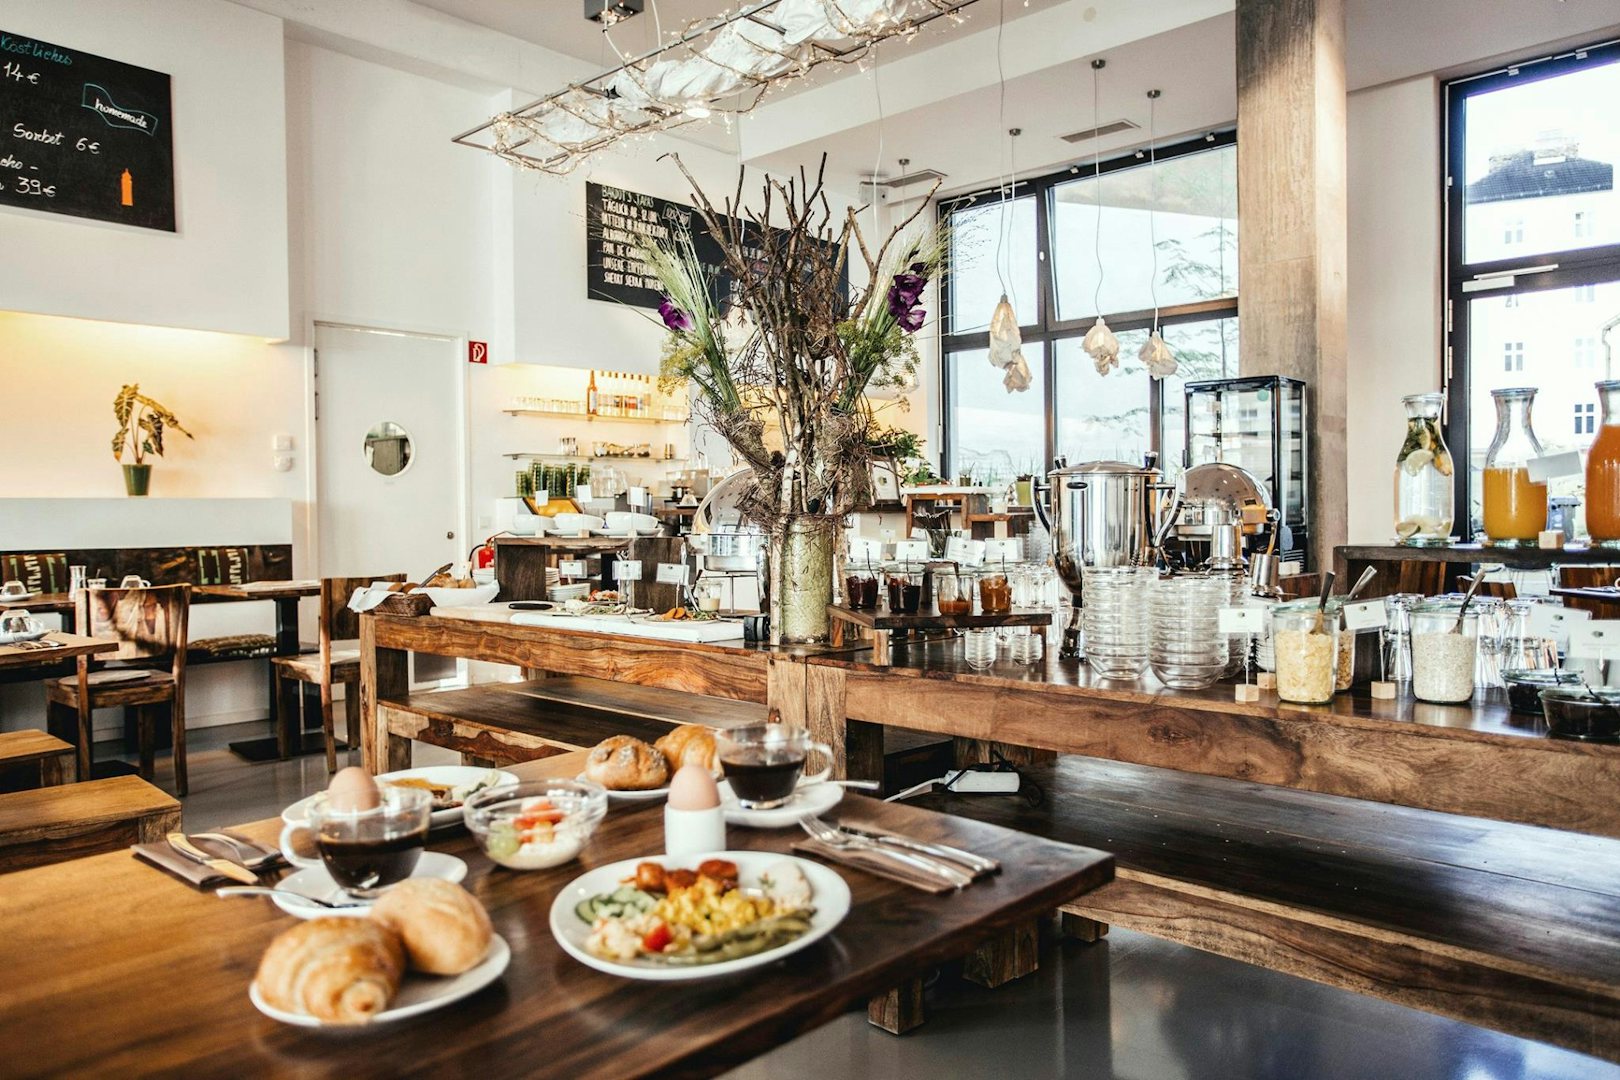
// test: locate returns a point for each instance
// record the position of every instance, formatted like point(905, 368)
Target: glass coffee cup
point(764, 763)
point(367, 850)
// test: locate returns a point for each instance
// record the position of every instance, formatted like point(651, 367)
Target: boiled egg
point(352, 790)
point(693, 789)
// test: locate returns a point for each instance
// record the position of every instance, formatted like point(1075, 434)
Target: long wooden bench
point(503, 723)
point(1507, 926)
point(51, 760)
point(54, 824)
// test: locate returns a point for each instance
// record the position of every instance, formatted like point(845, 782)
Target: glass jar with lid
point(1398, 636)
point(1305, 648)
point(953, 591)
point(1515, 509)
point(1442, 653)
point(1423, 471)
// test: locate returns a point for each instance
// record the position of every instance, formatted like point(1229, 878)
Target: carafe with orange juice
point(1515, 507)
point(1603, 471)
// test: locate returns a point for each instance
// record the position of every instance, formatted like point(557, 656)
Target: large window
point(1136, 233)
point(1533, 253)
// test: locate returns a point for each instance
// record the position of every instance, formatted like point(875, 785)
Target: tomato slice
point(657, 939)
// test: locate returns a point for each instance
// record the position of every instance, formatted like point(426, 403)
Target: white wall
point(226, 266)
point(1395, 266)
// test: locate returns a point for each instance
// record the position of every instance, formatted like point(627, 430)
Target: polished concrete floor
point(1130, 1006)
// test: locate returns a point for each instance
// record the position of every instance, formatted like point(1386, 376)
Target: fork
point(248, 854)
point(821, 831)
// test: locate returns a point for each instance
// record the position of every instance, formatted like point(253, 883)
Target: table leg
point(881, 650)
point(384, 674)
point(286, 645)
point(898, 1011)
point(1079, 928)
point(86, 734)
point(1011, 954)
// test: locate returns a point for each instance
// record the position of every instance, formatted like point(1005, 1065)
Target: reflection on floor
point(1131, 1006)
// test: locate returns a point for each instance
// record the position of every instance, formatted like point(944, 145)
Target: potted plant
point(141, 424)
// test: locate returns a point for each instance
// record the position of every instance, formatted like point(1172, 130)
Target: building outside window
point(1166, 232)
point(1533, 257)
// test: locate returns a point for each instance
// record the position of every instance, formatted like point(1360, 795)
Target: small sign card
point(1241, 620)
point(1595, 639)
point(582, 492)
point(1006, 549)
point(965, 552)
point(571, 568)
point(1551, 466)
point(910, 550)
point(1551, 621)
point(627, 570)
point(671, 573)
point(864, 552)
point(1367, 615)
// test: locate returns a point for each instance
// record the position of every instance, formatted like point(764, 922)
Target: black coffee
point(364, 863)
point(763, 776)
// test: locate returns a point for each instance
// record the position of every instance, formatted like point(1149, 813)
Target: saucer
point(17, 598)
point(807, 800)
point(315, 882)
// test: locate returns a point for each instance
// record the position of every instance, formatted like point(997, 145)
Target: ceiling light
point(1113, 128)
point(697, 111)
point(610, 12)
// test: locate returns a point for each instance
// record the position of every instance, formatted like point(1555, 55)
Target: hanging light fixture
point(1155, 355)
point(1100, 343)
point(1006, 340)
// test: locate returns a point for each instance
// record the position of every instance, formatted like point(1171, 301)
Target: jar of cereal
point(1443, 661)
point(1305, 642)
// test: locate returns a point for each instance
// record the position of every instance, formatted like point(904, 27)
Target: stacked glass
point(1114, 617)
point(1237, 595)
point(1187, 649)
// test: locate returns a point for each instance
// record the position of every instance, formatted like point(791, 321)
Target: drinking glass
point(764, 763)
point(76, 580)
point(979, 648)
point(995, 594)
point(1027, 647)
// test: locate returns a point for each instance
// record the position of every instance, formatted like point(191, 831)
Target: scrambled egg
point(702, 909)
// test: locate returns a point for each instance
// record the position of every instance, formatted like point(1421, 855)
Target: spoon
point(286, 894)
point(1321, 601)
point(1468, 598)
point(1361, 583)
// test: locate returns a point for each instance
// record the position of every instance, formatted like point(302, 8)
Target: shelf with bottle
point(675, 418)
point(544, 456)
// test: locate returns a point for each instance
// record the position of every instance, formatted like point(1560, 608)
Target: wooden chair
point(325, 668)
point(149, 625)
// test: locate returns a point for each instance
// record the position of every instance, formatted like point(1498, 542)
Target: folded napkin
point(165, 858)
point(875, 863)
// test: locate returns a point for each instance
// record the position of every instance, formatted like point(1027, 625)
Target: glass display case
point(1258, 424)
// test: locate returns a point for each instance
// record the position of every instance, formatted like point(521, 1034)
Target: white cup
point(13, 588)
point(134, 581)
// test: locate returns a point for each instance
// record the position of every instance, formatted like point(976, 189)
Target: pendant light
point(1006, 341)
point(1155, 355)
point(1100, 343)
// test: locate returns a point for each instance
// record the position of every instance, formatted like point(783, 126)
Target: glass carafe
point(1515, 508)
point(1603, 471)
point(1423, 495)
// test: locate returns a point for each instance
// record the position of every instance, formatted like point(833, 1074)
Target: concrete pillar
point(1292, 228)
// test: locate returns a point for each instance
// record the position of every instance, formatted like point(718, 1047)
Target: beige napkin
point(872, 863)
point(194, 873)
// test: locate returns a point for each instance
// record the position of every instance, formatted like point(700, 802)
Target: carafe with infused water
point(1423, 470)
point(1515, 508)
point(1603, 471)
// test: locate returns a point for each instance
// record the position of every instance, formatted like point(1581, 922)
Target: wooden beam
point(1293, 243)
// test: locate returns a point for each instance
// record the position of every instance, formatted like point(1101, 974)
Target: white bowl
point(624, 521)
point(577, 523)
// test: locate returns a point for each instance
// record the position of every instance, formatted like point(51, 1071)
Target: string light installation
point(723, 65)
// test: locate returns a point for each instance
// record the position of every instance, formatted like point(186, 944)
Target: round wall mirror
point(388, 448)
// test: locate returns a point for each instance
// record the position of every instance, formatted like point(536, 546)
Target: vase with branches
point(782, 374)
point(142, 423)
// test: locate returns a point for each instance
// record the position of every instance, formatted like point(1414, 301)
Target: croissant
point(444, 928)
point(343, 971)
point(689, 744)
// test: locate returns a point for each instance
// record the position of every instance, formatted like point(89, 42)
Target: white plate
point(17, 597)
point(316, 882)
point(417, 993)
point(829, 895)
point(807, 800)
point(27, 635)
point(649, 795)
point(434, 774)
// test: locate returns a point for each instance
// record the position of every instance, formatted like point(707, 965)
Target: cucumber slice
point(586, 910)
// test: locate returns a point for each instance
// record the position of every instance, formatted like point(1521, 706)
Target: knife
point(977, 863)
point(235, 871)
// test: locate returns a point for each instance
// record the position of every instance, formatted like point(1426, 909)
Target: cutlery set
point(926, 865)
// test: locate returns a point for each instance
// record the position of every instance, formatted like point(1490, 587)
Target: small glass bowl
point(535, 824)
point(1524, 686)
point(1576, 712)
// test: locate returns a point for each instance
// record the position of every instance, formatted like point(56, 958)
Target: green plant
point(141, 424)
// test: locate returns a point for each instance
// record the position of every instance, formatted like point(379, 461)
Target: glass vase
point(801, 583)
point(1515, 509)
point(1423, 470)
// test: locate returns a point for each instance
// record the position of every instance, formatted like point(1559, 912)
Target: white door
point(391, 458)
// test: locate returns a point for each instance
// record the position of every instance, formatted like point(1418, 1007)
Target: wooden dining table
point(66, 647)
point(114, 968)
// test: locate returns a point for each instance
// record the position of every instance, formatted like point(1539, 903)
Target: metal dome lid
point(1225, 487)
point(718, 511)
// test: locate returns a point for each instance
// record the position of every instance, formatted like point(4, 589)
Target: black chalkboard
point(614, 218)
point(84, 135)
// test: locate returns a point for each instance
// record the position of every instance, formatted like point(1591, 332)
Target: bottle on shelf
point(1603, 471)
point(1423, 470)
point(590, 395)
point(1515, 509)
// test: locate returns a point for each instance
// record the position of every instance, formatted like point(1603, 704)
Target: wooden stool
point(54, 824)
point(53, 757)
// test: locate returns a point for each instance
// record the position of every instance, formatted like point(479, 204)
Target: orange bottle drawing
point(126, 189)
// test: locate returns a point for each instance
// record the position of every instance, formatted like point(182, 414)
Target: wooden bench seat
point(1507, 926)
point(52, 759)
point(504, 723)
point(54, 824)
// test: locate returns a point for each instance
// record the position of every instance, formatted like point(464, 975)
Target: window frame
point(1047, 328)
point(1518, 275)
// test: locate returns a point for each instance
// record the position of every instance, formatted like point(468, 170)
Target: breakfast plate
point(808, 799)
point(646, 795)
point(457, 776)
point(829, 895)
point(417, 993)
point(317, 883)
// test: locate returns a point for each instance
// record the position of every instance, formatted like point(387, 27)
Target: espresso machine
point(1102, 514)
point(1223, 519)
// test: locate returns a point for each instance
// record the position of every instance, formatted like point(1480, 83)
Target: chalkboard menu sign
point(84, 135)
point(616, 221)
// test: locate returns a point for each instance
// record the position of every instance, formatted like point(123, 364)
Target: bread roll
point(340, 970)
point(621, 763)
point(690, 744)
point(445, 929)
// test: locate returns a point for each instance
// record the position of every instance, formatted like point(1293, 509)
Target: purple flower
point(903, 296)
point(674, 317)
point(912, 320)
point(919, 268)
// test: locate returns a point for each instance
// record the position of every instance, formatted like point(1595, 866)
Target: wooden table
point(285, 595)
point(69, 647)
point(153, 979)
point(56, 603)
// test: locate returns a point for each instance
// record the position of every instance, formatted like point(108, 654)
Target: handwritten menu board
point(84, 135)
point(616, 220)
